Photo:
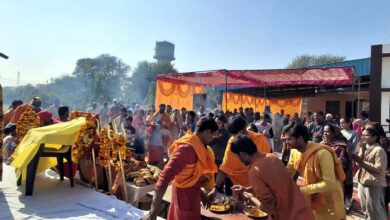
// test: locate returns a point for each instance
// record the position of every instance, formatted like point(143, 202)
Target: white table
point(56, 199)
point(138, 194)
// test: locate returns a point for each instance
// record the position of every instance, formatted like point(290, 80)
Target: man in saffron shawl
point(322, 171)
point(273, 189)
point(189, 168)
point(232, 168)
point(10, 113)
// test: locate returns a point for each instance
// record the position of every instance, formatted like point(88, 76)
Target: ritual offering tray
point(144, 176)
point(221, 206)
point(254, 212)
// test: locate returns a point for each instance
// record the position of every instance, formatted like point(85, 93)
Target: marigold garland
point(110, 146)
point(28, 120)
point(105, 144)
point(121, 142)
point(84, 139)
point(77, 114)
point(119, 147)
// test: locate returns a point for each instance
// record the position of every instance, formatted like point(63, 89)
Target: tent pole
point(226, 99)
point(353, 98)
point(265, 96)
point(358, 102)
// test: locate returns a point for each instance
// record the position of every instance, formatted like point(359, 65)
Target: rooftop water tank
point(164, 51)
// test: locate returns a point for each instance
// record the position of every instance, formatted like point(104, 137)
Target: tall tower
point(164, 52)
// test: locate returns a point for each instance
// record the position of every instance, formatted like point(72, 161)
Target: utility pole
point(18, 79)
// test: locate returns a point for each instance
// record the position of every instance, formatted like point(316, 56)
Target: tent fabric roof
point(261, 78)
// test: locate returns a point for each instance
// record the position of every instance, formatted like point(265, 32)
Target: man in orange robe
point(274, 191)
point(164, 120)
point(10, 113)
point(189, 167)
point(231, 166)
point(18, 112)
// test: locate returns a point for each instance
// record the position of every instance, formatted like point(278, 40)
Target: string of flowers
point(119, 147)
point(83, 139)
point(105, 144)
point(121, 141)
point(28, 120)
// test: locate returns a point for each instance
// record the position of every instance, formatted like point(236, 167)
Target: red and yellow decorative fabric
point(175, 94)
point(235, 101)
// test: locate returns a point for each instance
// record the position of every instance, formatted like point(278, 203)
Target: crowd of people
point(233, 152)
point(328, 152)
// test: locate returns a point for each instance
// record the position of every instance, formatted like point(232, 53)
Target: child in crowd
point(133, 143)
point(9, 141)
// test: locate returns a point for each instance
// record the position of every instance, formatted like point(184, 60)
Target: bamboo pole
point(122, 170)
point(123, 131)
point(97, 126)
point(114, 126)
point(109, 177)
point(94, 159)
point(109, 162)
point(94, 169)
point(123, 179)
point(108, 172)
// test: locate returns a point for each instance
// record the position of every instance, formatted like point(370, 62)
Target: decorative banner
point(235, 101)
point(181, 95)
point(165, 88)
point(176, 94)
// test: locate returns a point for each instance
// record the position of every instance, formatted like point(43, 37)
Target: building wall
point(385, 95)
point(318, 102)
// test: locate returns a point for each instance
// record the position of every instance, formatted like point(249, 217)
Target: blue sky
point(45, 38)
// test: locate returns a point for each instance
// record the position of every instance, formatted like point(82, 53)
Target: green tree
point(24, 93)
point(103, 77)
point(142, 85)
point(68, 90)
point(214, 97)
point(307, 60)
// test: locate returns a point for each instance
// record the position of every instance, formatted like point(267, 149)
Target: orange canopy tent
point(177, 89)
